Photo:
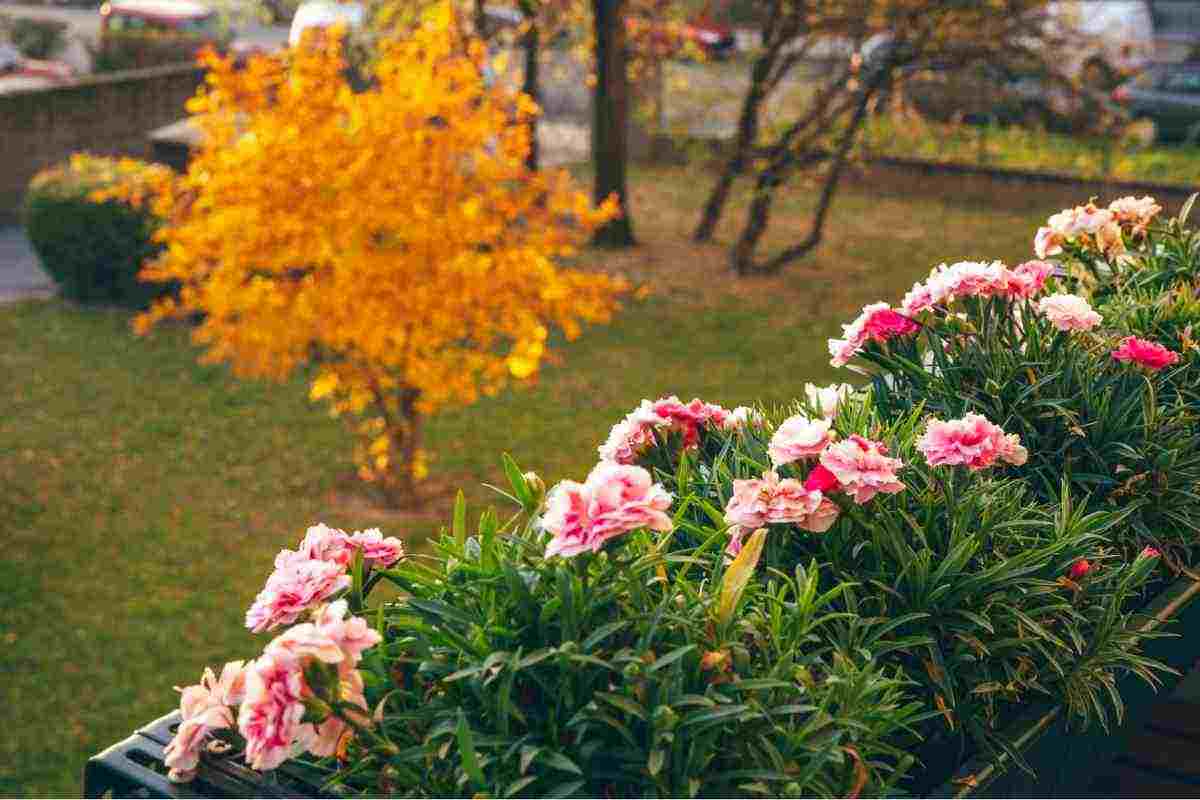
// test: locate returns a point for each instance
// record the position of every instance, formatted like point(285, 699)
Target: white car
point(325, 14)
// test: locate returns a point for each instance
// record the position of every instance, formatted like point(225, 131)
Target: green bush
point(35, 38)
point(93, 248)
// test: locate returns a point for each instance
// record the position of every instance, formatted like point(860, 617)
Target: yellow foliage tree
point(391, 237)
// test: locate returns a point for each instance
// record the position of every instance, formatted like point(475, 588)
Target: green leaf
point(517, 479)
point(528, 754)
point(466, 749)
point(558, 761)
point(671, 657)
point(459, 527)
point(624, 703)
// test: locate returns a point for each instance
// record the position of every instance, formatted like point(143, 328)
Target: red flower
point(1150, 552)
point(1148, 354)
point(822, 480)
point(1079, 569)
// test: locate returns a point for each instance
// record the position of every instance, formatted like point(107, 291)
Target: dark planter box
point(1067, 763)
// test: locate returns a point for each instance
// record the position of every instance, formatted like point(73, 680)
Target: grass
point(142, 497)
point(1014, 147)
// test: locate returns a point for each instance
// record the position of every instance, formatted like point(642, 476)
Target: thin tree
point(821, 137)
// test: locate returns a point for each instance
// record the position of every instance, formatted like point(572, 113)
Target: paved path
point(21, 276)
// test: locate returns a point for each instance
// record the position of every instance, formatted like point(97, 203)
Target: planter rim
point(976, 774)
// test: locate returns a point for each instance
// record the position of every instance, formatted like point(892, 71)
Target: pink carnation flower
point(1086, 226)
point(322, 543)
point(1150, 552)
point(1150, 355)
point(822, 480)
point(799, 437)
point(878, 322)
point(1026, 280)
point(632, 435)
point(270, 715)
point(1068, 312)
point(378, 550)
point(862, 467)
point(322, 738)
point(769, 500)
point(205, 707)
point(296, 585)
point(1135, 213)
point(971, 441)
point(615, 499)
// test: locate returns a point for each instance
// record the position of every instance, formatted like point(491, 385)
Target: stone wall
point(102, 114)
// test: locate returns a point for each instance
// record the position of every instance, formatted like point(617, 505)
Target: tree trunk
point(610, 116)
point(532, 88)
point(403, 493)
point(747, 134)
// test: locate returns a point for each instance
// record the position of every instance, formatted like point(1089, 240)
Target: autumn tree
point(391, 238)
point(818, 140)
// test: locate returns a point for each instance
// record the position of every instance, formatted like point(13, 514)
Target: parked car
point(1003, 93)
point(1168, 96)
point(19, 72)
point(716, 40)
point(142, 33)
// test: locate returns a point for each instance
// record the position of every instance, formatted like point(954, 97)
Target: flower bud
point(537, 487)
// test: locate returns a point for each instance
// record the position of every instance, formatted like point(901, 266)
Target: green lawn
point(142, 497)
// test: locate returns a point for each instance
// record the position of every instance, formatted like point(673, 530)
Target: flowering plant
point(810, 600)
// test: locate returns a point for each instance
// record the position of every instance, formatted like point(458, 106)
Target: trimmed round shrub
point(91, 243)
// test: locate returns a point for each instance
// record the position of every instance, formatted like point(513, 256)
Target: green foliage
point(93, 248)
point(1121, 437)
point(35, 38)
point(506, 673)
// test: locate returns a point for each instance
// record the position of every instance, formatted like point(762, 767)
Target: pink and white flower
point(862, 467)
point(322, 543)
point(1068, 312)
point(1134, 213)
point(972, 441)
point(1151, 355)
point(270, 715)
point(742, 416)
point(771, 500)
point(296, 585)
point(878, 322)
point(1028, 279)
point(615, 499)
point(826, 400)
point(799, 437)
point(204, 708)
point(632, 435)
point(1086, 226)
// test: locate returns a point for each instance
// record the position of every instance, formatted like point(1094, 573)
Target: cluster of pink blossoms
point(771, 500)
point(1068, 312)
point(976, 279)
point(266, 698)
point(1094, 228)
point(1151, 355)
point(632, 435)
point(972, 441)
point(615, 499)
point(856, 466)
point(276, 690)
point(315, 572)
